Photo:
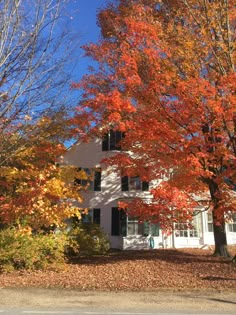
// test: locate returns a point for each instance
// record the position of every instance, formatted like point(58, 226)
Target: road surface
point(72, 302)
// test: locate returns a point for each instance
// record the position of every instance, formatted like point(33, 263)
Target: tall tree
point(166, 78)
point(36, 58)
point(36, 61)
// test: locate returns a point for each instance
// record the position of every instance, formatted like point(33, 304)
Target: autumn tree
point(35, 66)
point(36, 61)
point(166, 77)
point(35, 192)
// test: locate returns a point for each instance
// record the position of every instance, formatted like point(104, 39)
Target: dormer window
point(111, 140)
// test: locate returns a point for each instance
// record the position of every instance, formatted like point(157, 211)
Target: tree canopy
point(166, 77)
point(35, 70)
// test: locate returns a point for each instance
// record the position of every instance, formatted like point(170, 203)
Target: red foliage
point(168, 78)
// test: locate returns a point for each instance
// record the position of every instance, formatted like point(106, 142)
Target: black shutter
point(105, 142)
point(77, 181)
point(118, 136)
point(97, 180)
point(145, 186)
point(123, 222)
point(96, 215)
point(115, 222)
point(112, 140)
point(125, 183)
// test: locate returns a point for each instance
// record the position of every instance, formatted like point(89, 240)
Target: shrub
point(21, 250)
point(88, 239)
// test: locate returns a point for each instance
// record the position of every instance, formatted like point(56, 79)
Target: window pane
point(155, 229)
point(210, 222)
point(118, 223)
point(97, 180)
point(232, 227)
point(145, 186)
point(115, 221)
point(146, 227)
point(210, 217)
point(118, 138)
point(87, 218)
point(124, 183)
point(134, 227)
point(140, 229)
point(135, 183)
point(112, 140)
point(96, 215)
point(210, 227)
point(123, 222)
point(105, 142)
point(131, 228)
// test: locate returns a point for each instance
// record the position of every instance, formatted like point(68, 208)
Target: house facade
point(106, 188)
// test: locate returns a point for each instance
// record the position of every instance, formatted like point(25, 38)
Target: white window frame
point(182, 229)
point(232, 224)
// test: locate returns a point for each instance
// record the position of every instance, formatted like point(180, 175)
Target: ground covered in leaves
point(135, 270)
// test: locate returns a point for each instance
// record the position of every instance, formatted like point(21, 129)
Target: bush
point(88, 239)
point(21, 250)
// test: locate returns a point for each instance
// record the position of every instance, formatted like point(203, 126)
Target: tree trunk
point(218, 224)
point(220, 241)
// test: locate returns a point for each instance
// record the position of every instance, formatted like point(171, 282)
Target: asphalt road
point(72, 302)
point(78, 312)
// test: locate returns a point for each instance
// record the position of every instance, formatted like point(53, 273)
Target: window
point(125, 226)
point(210, 221)
point(118, 222)
point(89, 179)
point(135, 227)
point(133, 183)
point(93, 216)
point(154, 229)
point(96, 216)
point(111, 140)
point(87, 218)
point(232, 224)
point(183, 229)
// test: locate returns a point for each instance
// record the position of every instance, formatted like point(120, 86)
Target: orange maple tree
point(166, 78)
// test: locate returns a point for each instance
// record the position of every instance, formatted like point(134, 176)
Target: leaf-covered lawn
point(164, 268)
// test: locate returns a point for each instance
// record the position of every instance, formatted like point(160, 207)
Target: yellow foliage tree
point(34, 190)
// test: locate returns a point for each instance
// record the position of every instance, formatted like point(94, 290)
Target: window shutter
point(97, 180)
point(96, 215)
point(77, 181)
point(125, 183)
point(105, 142)
point(146, 228)
point(155, 229)
point(115, 222)
point(123, 222)
point(118, 136)
point(113, 140)
point(145, 186)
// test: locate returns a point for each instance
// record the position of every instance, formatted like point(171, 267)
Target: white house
point(107, 188)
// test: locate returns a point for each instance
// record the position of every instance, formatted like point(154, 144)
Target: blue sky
point(82, 14)
point(83, 20)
